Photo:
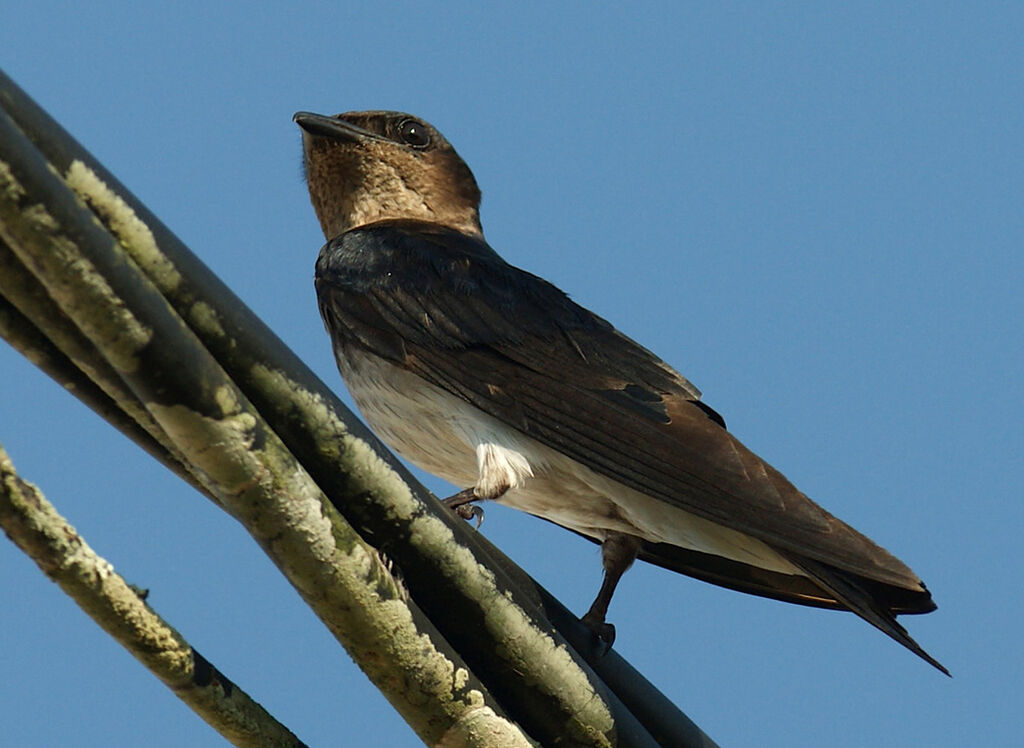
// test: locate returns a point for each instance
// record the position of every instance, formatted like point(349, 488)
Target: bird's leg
point(461, 502)
point(618, 551)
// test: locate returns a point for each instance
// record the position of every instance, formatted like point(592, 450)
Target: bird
point(494, 380)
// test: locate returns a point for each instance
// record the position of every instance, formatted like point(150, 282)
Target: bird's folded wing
point(447, 308)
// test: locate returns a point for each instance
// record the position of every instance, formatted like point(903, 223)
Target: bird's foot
point(469, 511)
point(461, 504)
point(604, 631)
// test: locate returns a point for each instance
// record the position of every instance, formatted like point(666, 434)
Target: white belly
point(453, 440)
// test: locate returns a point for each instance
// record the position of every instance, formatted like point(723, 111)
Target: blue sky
point(812, 211)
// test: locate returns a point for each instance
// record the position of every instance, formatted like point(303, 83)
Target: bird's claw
point(605, 633)
point(461, 504)
point(469, 511)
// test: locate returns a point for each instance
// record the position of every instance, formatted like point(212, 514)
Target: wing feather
point(447, 308)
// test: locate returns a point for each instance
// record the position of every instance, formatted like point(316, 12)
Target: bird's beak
point(331, 127)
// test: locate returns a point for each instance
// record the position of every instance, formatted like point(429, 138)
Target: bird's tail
point(846, 589)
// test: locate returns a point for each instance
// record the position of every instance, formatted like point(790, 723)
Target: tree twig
point(35, 526)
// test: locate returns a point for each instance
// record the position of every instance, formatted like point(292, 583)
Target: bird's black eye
point(413, 133)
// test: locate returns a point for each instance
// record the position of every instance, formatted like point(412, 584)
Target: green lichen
point(203, 318)
point(71, 280)
point(10, 189)
point(120, 219)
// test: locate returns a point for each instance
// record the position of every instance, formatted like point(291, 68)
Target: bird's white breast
point(453, 440)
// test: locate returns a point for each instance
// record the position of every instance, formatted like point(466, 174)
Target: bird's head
point(365, 167)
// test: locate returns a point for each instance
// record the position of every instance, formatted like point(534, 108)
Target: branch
point(238, 459)
point(35, 526)
point(109, 399)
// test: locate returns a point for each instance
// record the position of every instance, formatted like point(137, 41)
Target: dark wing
point(447, 308)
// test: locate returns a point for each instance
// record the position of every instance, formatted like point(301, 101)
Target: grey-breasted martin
point(493, 379)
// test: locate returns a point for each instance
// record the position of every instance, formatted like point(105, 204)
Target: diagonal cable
point(371, 489)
